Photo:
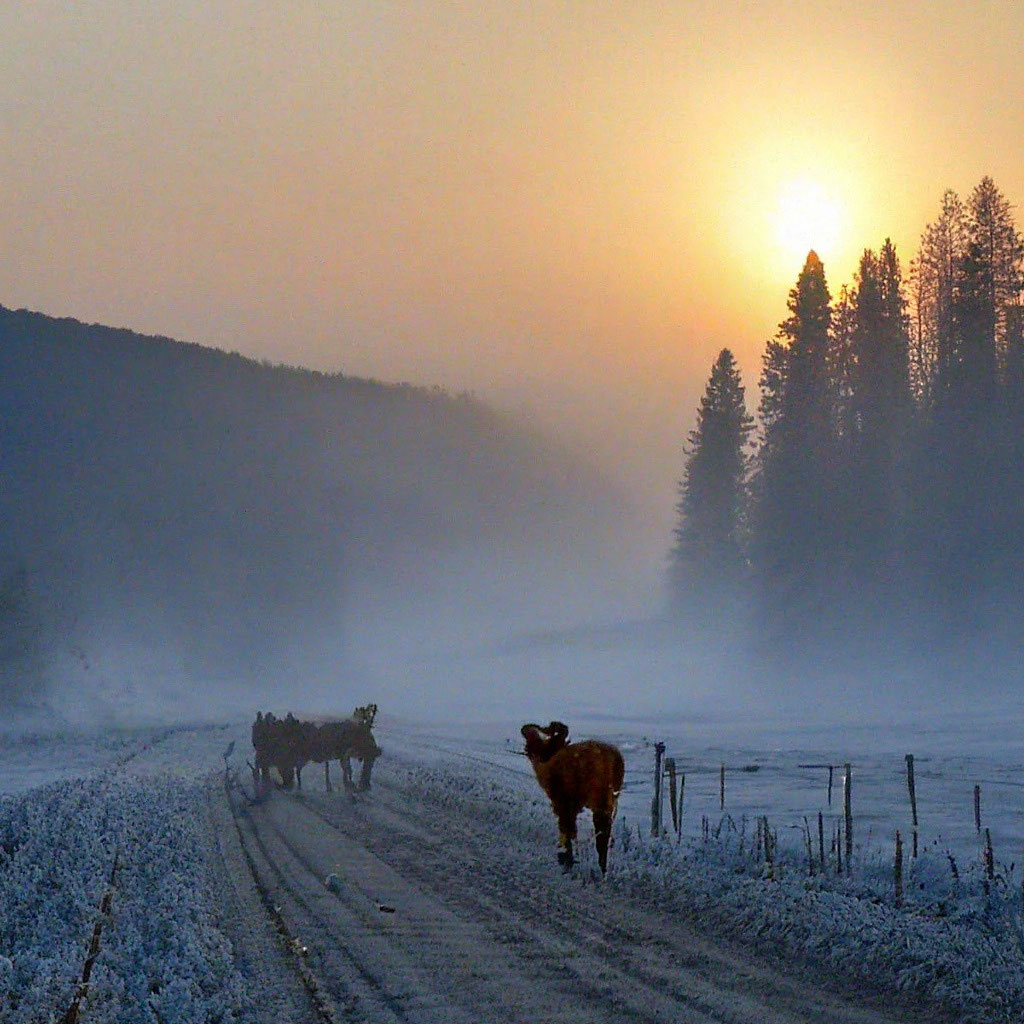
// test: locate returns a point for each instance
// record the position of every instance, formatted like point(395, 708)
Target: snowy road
point(436, 918)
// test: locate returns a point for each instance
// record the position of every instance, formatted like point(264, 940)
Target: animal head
point(543, 743)
point(365, 715)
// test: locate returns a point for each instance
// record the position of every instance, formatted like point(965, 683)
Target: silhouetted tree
point(966, 464)
point(879, 367)
point(871, 495)
point(934, 273)
point(708, 557)
point(796, 460)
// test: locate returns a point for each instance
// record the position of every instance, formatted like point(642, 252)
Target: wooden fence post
point(977, 809)
point(670, 767)
point(848, 816)
point(721, 788)
point(682, 794)
point(831, 769)
point(897, 870)
point(821, 840)
point(659, 750)
point(913, 798)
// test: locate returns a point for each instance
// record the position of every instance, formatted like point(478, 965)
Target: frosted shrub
point(163, 956)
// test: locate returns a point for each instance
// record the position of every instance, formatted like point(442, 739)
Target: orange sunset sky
point(567, 208)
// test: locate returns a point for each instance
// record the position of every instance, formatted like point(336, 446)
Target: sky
point(566, 208)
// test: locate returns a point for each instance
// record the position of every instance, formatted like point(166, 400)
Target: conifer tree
point(708, 556)
point(934, 274)
point(966, 489)
point(880, 383)
point(998, 248)
point(796, 461)
point(873, 493)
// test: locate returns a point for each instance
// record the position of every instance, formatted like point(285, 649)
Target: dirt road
point(390, 909)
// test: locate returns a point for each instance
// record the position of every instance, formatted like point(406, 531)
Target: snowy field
point(71, 801)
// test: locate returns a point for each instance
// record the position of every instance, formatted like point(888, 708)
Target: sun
point(807, 217)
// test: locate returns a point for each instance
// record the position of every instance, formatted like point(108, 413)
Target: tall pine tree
point(708, 556)
point(794, 531)
point(934, 274)
point(873, 500)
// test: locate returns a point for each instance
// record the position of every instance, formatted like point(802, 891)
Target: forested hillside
point(163, 497)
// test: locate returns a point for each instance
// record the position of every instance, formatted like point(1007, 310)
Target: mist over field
point(192, 533)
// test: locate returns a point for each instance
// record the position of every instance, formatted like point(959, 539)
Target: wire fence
point(854, 808)
point(861, 806)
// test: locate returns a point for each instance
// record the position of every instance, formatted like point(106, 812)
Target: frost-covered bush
point(163, 956)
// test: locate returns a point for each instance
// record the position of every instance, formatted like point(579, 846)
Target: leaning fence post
point(74, 1010)
point(977, 809)
point(721, 788)
point(659, 750)
point(913, 797)
point(831, 770)
point(821, 841)
point(670, 767)
point(848, 815)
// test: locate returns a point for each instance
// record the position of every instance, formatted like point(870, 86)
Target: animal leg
point(603, 832)
point(566, 834)
point(327, 775)
point(346, 771)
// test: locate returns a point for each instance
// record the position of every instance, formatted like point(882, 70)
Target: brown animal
point(575, 776)
point(345, 740)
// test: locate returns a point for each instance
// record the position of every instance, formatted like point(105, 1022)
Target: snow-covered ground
point(168, 951)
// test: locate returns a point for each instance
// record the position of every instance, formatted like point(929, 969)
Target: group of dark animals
point(575, 776)
point(289, 744)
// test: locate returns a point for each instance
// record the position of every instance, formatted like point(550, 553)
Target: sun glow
point(807, 217)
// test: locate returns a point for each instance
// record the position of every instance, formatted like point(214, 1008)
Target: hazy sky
point(568, 208)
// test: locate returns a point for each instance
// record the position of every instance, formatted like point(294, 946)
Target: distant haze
point(564, 208)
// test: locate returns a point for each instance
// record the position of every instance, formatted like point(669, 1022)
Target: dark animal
point(289, 745)
point(343, 741)
point(576, 776)
point(365, 715)
point(284, 744)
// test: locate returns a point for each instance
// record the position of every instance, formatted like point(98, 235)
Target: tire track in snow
point(446, 966)
point(484, 933)
point(350, 988)
point(630, 964)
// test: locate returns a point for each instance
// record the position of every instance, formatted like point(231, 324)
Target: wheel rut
point(427, 919)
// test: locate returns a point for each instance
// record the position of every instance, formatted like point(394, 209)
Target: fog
point(564, 217)
point(193, 535)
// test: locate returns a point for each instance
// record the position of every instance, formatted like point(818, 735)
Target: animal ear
point(559, 729)
point(530, 729)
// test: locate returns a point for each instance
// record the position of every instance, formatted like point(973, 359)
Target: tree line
point(880, 491)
